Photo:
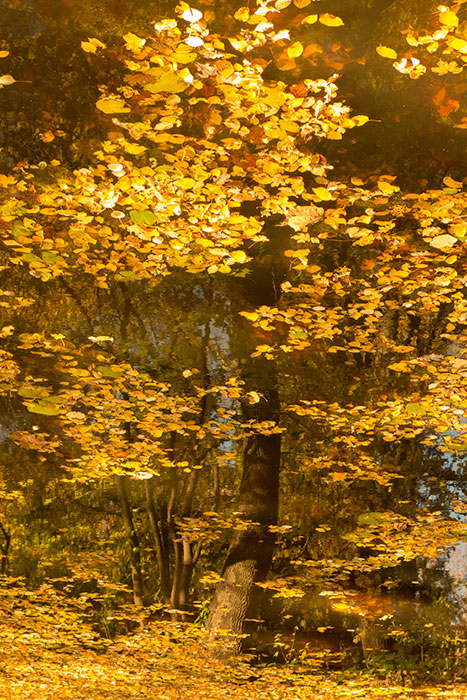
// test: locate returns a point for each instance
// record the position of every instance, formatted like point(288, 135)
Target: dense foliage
point(233, 376)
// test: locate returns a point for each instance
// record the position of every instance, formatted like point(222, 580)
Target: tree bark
point(250, 553)
point(160, 544)
point(135, 551)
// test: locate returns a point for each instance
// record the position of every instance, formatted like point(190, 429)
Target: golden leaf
point(250, 315)
point(449, 182)
point(322, 193)
point(133, 43)
point(239, 256)
point(330, 20)
point(295, 50)
point(386, 52)
point(387, 188)
point(91, 45)
point(447, 16)
point(310, 19)
point(112, 105)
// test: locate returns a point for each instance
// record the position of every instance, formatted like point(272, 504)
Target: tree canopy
point(233, 362)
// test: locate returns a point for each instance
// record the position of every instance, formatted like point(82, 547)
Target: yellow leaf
point(301, 253)
point(449, 182)
point(330, 20)
point(132, 465)
point(253, 397)
point(135, 149)
point(301, 3)
point(387, 188)
point(322, 193)
point(443, 241)
point(386, 52)
point(339, 476)
point(133, 43)
point(459, 229)
point(112, 105)
point(255, 19)
point(289, 125)
point(250, 315)
point(4, 54)
point(91, 45)
point(187, 373)
point(360, 119)
point(295, 50)
point(457, 44)
point(310, 19)
point(341, 607)
point(447, 16)
point(242, 14)
point(186, 183)
point(239, 256)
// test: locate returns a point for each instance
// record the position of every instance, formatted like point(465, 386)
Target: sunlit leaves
point(450, 182)
point(443, 242)
point(295, 50)
point(166, 82)
point(386, 52)
point(410, 66)
point(310, 19)
point(322, 194)
point(92, 45)
point(112, 105)
point(387, 188)
point(134, 43)
point(447, 16)
point(330, 20)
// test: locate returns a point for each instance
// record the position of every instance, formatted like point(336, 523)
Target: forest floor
point(41, 659)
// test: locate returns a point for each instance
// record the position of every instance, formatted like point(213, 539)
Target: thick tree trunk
point(250, 552)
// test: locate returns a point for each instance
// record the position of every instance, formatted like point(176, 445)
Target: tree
point(209, 185)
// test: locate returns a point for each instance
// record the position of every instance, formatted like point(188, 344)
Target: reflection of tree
point(349, 353)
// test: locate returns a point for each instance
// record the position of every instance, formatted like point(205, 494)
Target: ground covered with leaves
point(48, 649)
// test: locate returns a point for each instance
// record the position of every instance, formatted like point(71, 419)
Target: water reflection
point(159, 376)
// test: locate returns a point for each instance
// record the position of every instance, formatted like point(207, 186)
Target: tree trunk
point(250, 552)
point(5, 549)
point(160, 544)
point(135, 551)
